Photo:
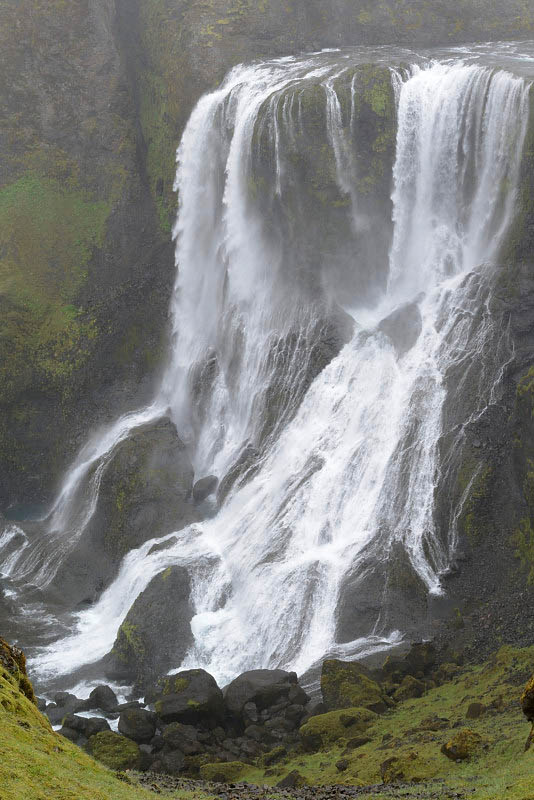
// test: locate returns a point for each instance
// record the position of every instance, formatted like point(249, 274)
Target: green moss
point(223, 773)
point(335, 726)
point(129, 645)
point(408, 739)
point(37, 763)
point(115, 751)
point(346, 684)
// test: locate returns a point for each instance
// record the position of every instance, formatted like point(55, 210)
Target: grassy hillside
point(404, 745)
point(38, 764)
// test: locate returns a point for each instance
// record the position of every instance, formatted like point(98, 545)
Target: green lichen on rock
point(462, 745)
point(347, 684)
point(335, 726)
point(223, 773)
point(115, 751)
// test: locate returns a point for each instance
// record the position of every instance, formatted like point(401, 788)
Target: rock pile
point(187, 723)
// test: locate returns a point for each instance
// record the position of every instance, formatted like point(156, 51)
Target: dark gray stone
point(204, 487)
point(138, 725)
point(191, 697)
point(161, 618)
point(102, 697)
point(263, 687)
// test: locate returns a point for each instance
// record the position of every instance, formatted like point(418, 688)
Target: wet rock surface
point(156, 633)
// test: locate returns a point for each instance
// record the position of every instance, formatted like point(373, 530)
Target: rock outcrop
point(156, 633)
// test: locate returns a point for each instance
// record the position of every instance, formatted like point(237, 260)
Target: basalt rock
point(138, 724)
point(156, 633)
point(347, 684)
point(145, 492)
point(264, 688)
point(191, 697)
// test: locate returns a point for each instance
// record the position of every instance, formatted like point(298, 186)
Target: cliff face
point(86, 262)
point(94, 96)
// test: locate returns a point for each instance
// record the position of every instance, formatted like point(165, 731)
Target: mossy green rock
point(115, 751)
point(462, 745)
point(347, 684)
point(223, 773)
point(335, 726)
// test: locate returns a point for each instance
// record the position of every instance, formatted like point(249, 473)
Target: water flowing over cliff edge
point(337, 244)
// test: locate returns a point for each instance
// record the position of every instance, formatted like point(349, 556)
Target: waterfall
point(348, 467)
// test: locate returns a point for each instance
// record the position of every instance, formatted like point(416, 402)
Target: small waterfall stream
point(348, 467)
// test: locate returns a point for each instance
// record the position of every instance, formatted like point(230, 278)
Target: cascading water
point(345, 471)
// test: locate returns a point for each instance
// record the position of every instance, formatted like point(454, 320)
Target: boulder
point(403, 327)
point(156, 633)
point(462, 746)
point(115, 751)
point(409, 689)
point(145, 492)
point(262, 687)
point(335, 726)
point(178, 736)
point(191, 697)
point(292, 781)
point(86, 726)
point(71, 734)
point(138, 725)
point(204, 487)
point(102, 697)
point(391, 770)
point(346, 684)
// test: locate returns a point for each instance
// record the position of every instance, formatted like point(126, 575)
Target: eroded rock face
point(156, 633)
point(145, 492)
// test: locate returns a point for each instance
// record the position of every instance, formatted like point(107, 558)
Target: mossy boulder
point(115, 751)
point(223, 773)
point(409, 689)
point(347, 684)
point(463, 745)
point(335, 726)
point(156, 633)
point(191, 696)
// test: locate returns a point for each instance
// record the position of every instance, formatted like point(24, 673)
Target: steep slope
point(37, 763)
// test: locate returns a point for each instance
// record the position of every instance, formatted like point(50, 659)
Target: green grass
point(38, 764)
point(502, 770)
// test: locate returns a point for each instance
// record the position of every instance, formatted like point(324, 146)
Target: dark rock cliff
point(93, 98)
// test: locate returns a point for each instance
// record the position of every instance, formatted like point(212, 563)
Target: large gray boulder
point(263, 687)
point(156, 633)
point(192, 697)
point(145, 492)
